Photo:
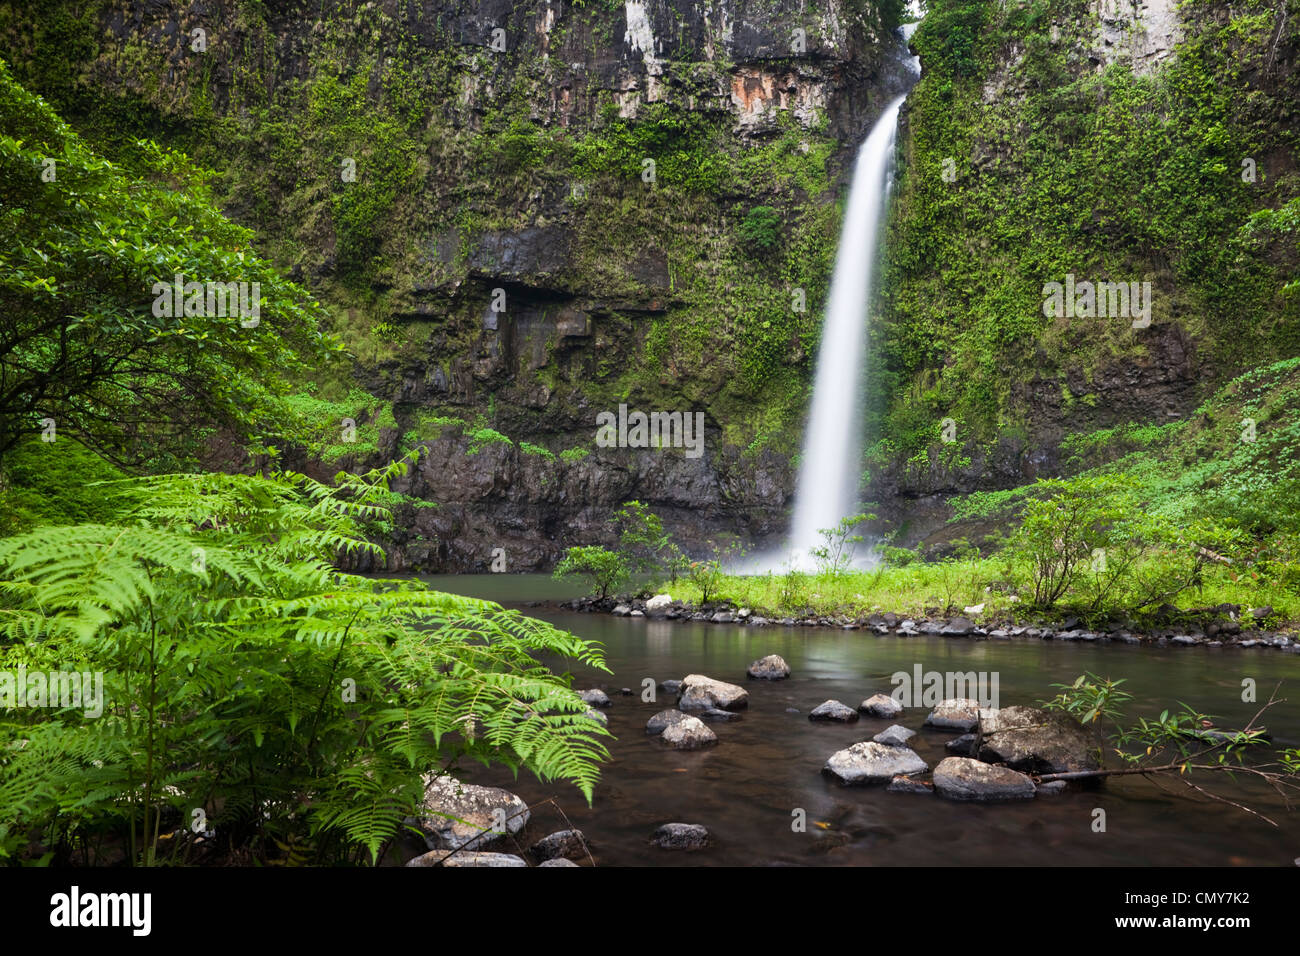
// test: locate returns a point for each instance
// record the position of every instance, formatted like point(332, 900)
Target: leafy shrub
point(607, 569)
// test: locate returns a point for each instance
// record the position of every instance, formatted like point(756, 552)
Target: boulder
point(702, 693)
point(1035, 740)
point(680, 836)
point(870, 762)
point(595, 715)
point(558, 861)
point(881, 705)
point(833, 710)
point(689, 733)
point(660, 721)
point(957, 627)
point(597, 698)
point(671, 687)
point(658, 601)
point(895, 735)
point(476, 811)
point(559, 845)
point(467, 858)
point(961, 778)
point(715, 716)
point(956, 713)
point(772, 667)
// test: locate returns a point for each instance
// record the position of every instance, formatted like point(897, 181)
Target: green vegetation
point(86, 345)
point(294, 705)
point(606, 569)
point(1023, 170)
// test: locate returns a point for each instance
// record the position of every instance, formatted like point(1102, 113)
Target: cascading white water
point(830, 468)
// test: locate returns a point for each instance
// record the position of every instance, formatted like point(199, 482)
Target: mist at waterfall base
point(830, 466)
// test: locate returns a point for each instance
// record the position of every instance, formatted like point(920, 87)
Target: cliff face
point(522, 215)
point(1077, 141)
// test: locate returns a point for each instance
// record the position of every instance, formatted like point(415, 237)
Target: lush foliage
point(82, 347)
point(246, 678)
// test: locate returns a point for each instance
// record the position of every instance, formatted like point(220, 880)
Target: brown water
point(768, 764)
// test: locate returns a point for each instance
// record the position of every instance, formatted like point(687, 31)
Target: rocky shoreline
point(1223, 625)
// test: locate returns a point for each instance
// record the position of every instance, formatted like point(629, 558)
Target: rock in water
point(961, 778)
point(558, 845)
point(715, 716)
point(661, 720)
point(701, 693)
point(772, 667)
point(957, 713)
point(833, 710)
point(479, 807)
point(963, 746)
point(895, 735)
point(881, 705)
point(870, 762)
point(558, 861)
point(597, 698)
point(658, 601)
point(901, 784)
point(467, 858)
point(681, 836)
point(1034, 740)
point(689, 733)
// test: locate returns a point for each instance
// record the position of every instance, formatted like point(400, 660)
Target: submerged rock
point(680, 836)
point(715, 716)
point(881, 705)
point(957, 713)
point(702, 693)
point(901, 784)
point(1035, 740)
point(870, 762)
point(771, 667)
point(671, 686)
point(961, 778)
point(689, 733)
point(479, 807)
point(833, 710)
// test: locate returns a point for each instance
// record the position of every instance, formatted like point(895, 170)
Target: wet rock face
point(704, 693)
point(872, 762)
point(1034, 740)
point(771, 667)
point(959, 713)
point(681, 836)
point(961, 778)
point(480, 808)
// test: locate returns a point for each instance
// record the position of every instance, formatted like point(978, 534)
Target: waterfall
point(830, 467)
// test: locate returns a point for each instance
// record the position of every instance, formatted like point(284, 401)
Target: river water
point(767, 765)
